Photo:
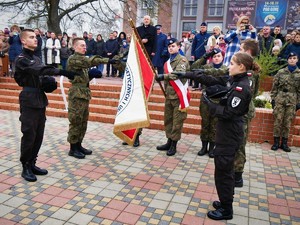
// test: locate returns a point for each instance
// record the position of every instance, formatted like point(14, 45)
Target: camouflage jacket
point(254, 85)
point(178, 64)
point(81, 64)
point(286, 87)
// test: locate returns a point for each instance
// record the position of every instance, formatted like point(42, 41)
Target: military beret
point(171, 41)
point(158, 27)
point(203, 24)
point(292, 54)
point(216, 51)
point(216, 91)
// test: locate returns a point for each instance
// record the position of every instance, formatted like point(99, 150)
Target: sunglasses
point(221, 38)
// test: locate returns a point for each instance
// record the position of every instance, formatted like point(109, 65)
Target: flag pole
point(146, 53)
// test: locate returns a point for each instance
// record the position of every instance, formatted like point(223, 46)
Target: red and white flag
point(138, 80)
point(181, 89)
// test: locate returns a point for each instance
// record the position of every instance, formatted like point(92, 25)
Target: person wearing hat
point(285, 95)
point(208, 121)
point(159, 57)
point(244, 30)
point(174, 113)
point(199, 45)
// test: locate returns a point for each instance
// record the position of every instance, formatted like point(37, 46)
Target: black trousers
point(224, 179)
point(32, 126)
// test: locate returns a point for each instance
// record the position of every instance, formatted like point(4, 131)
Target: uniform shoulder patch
point(235, 102)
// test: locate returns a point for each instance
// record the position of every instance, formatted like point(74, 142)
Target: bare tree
point(57, 13)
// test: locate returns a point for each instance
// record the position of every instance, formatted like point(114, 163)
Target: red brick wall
point(261, 128)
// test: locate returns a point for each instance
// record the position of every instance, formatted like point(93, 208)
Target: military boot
point(203, 150)
point(75, 152)
point(217, 204)
point(238, 179)
point(84, 150)
point(275, 146)
point(284, 145)
point(137, 141)
point(211, 149)
point(172, 149)
point(165, 147)
point(27, 173)
point(220, 214)
point(37, 170)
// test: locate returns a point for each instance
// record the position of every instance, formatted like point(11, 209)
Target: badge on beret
point(235, 102)
point(239, 89)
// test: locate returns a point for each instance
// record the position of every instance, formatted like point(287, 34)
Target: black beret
point(158, 26)
point(292, 54)
point(203, 24)
point(171, 41)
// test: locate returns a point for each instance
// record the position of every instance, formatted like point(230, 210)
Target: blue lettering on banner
point(127, 94)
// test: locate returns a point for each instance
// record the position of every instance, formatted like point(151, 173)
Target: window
point(215, 7)
point(147, 4)
point(190, 8)
point(188, 26)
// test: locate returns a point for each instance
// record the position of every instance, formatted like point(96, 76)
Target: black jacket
point(90, 47)
point(99, 46)
point(149, 33)
point(29, 69)
point(111, 46)
point(230, 112)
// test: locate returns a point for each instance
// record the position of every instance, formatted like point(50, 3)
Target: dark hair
point(24, 32)
point(243, 58)
point(252, 45)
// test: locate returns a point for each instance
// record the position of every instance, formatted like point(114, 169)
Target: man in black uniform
point(30, 73)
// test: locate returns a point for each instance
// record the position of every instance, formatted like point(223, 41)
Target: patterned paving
point(123, 185)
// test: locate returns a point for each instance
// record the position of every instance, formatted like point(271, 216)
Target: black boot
point(84, 150)
point(203, 150)
point(284, 145)
point(172, 149)
point(238, 179)
point(217, 205)
point(275, 146)
point(37, 170)
point(27, 173)
point(220, 214)
point(137, 141)
point(75, 152)
point(211, 149)
point(165, 147)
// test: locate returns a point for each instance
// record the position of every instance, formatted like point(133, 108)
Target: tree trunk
point(53, 21)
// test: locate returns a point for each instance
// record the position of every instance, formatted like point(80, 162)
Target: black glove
point(188, 75)
point(69, 74)
point(159, 77)
point(273, 104)
point(210, 54)
point(297, 106)
point(198, 71)
point(94, 73)
point(112, 61)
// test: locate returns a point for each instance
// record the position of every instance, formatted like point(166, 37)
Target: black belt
point(31, 89)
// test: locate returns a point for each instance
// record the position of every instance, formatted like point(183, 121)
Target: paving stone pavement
point(124, 185)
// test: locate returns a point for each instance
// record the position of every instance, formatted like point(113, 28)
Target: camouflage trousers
point(78, 117)
point(283, 118)
point(173, 119)
point(208, 124)
point(240, 155)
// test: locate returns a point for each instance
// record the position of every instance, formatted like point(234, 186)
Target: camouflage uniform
point(79, 95)
point(286, 93)
point(240, 156)
point(208, 122)
point(173, 117)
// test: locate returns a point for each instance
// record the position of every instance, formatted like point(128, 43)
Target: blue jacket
point(158, 59)
point(199, 43)
point(15, 48)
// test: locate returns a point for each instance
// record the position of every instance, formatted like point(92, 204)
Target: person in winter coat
point(99, 50)
point(15, 48)
point(111, 48)
point(294, 47)
point(53, 50)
